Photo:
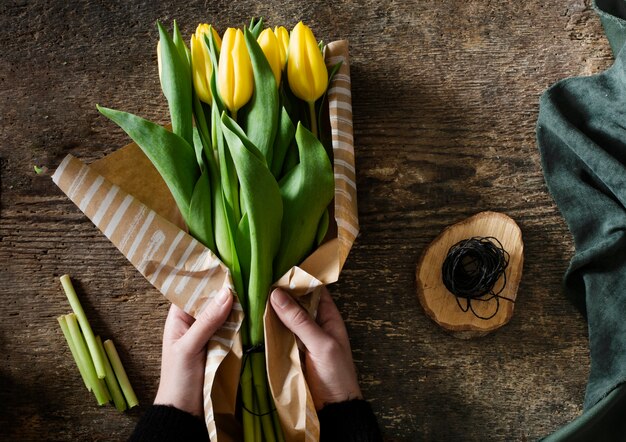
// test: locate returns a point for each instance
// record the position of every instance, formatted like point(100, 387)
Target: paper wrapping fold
point(138, 215)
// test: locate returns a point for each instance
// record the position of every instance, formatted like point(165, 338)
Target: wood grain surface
point(445, 99)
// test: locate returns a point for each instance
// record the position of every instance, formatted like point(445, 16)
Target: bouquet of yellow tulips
point(245, 165)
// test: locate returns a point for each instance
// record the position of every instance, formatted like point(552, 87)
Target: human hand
point(185, 341)
point(329, 369)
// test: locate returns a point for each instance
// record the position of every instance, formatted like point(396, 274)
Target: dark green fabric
point(581, 133)
point(612, 14)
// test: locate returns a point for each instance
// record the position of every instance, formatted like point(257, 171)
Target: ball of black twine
point(471, 270)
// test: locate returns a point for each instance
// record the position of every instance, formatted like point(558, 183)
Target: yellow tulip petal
point(307, 73)
point(217, 38)
point(244, 76)
point(271, 48)
point(319, 73)
point(282, 35)
point(201, 69)
point(234, 73)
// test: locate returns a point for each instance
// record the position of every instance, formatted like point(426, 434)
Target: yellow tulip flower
point(271, 48)
point(282, 35)
point(201, 67)
point(235, 81)
point(306, 70)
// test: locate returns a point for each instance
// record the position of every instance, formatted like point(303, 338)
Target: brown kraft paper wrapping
point(138, 215)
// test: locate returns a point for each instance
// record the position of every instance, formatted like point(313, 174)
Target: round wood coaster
point(441, 305)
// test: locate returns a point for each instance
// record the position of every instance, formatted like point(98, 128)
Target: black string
point(258, 348)
point(471, 270)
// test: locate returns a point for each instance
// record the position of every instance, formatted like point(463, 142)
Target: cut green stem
point(259, 377)
point(84, 325)
point(70, 343)
point(280, 437)
point(247, 398)
point(120, 373)
point(85, 359)
point(111, 380)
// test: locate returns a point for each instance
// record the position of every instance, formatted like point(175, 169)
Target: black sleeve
point(350, 421)
point(163, 423)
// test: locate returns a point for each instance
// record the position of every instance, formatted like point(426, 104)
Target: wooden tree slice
point(441, 305)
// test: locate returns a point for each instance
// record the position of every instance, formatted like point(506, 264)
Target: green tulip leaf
point(199, 217)
point(179, 42)
point(260, 116)
point(292, 158)
point(207, 154)
point(176, 83)
point(225, 236)
point(306, 192)
point(171, 155)
point(284, 137)
point(322, 228)
point(228, 173)
point(214, 56)
point(242, 243)
point(256, 27)
point(264, 211)
point(198, 149)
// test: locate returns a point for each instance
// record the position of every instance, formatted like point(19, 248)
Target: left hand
point(185, 342)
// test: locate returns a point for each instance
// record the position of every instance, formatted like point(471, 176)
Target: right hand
point(329, 369)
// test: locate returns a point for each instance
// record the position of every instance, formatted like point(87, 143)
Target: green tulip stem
point(247, 398)
point(280, 437)
point(259, 375)
point(233, 114)
point(313, 118)
point(258, 431)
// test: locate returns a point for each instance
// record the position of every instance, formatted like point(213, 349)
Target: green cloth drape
point(581, 134)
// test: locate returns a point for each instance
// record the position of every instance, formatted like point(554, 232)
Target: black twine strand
point(471, 270)
point(259, 348)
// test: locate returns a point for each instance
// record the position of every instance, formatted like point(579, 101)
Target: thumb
point(208, 322)
point(298, 320)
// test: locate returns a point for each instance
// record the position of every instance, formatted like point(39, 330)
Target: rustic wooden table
point(445, 96)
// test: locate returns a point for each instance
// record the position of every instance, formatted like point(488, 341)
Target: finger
point(329, 318)
point(208, 322)
point(176, 324)
point(298, 321)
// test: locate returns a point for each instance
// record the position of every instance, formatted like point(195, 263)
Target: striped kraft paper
point(189, 274)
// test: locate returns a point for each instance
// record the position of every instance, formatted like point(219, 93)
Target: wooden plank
point(445, 99)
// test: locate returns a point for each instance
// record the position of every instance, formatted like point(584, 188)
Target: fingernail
point(280, 298)
point(222, 297)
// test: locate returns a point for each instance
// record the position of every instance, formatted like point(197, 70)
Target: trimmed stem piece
point(120, 373)
point(84, 325)
point(85, 359)
point(111, 380)
point(70, 343)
